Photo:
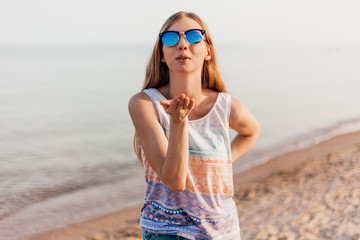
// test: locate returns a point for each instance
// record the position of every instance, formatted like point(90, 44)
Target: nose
point(183, 43)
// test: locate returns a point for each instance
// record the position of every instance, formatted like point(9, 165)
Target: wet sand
point(312, 193)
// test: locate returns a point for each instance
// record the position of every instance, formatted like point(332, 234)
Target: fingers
point(179, 105)
point(177, 101)
point(165, 103)
point(191, 104)
point(170, 105)
point(185, 102)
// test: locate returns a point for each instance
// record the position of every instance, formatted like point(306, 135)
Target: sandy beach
point(313, 193)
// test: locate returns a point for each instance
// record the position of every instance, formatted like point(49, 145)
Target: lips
point(182, 57)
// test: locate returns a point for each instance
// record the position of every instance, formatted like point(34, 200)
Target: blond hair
point(157, 72)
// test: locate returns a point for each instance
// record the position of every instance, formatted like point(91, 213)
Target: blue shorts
point(146, 235)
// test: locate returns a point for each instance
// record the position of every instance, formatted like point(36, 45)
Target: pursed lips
point(182, 57)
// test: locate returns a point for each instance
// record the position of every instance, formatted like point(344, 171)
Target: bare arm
point(168, 158)
point(247, 127)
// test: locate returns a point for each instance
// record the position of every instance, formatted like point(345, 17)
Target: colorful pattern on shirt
point(205, 209)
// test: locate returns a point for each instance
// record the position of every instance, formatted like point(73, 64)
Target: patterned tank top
point(205, 209)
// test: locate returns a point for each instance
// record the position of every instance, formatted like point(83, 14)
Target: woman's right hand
point(179, 107)
point(167, 156)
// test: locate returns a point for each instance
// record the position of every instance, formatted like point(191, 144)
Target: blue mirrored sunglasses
point(171, 38)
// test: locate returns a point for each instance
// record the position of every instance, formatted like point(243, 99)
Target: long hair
point(157, 72)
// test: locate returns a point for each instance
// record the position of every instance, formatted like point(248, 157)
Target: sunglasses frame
point(203, 32)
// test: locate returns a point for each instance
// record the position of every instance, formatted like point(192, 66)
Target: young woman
point(182, 118)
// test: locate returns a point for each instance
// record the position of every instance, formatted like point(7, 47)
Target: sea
point(66, 152)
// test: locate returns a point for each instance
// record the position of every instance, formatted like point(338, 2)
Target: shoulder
point(236, 104)
point(138, 98)
point(142, 109)
point(241, 119)
point(139, 103)
point(237, 111)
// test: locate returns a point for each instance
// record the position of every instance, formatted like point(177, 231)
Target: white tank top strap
point(224, 104)
point(157, 97)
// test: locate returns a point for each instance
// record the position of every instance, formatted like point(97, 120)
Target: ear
point(208, 56)
point(163, 59)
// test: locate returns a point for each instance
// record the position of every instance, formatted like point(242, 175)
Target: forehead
point(184, 24)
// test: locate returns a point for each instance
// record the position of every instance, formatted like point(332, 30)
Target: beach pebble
point(98, 237)
point(308, 236)
point(284, 236)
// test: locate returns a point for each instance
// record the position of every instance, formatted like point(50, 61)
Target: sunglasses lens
point(170, 38)
point(194, 36)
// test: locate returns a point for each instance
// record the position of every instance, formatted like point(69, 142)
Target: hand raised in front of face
point(179, 107)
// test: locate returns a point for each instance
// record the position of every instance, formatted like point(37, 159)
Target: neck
point(189, 84)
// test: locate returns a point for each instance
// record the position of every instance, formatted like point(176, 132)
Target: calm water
point(66, 137)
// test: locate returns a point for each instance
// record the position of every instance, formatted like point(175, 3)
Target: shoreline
point(296, 158)
point(126, 221)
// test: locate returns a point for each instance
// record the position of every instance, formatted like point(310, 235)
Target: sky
point(87, 22)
